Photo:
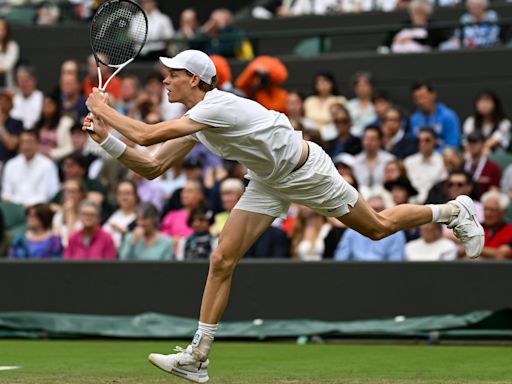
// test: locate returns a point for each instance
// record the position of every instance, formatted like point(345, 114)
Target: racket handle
point(91, 128)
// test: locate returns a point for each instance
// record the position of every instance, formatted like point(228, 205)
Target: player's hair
point(204, 86)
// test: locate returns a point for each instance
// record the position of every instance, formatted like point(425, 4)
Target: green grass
point(124, 362)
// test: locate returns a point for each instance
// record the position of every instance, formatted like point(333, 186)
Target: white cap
point(345, 158)
point(196, 62)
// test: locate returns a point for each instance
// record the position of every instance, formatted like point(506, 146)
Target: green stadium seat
point(502, 158)
point(312, 47)
point(14, 217)
point(22, 15)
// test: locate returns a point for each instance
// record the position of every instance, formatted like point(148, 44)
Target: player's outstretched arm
point(138, 131)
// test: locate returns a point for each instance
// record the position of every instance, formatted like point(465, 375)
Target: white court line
point(8, 367)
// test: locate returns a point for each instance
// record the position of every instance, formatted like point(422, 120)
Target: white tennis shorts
point(317, 185)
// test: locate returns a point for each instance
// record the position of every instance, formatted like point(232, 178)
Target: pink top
point(174, 224)
point(101, 246)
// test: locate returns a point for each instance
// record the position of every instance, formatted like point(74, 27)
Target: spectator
point(452, 159)
point(432, 113)
point(79, 140)
point(401, 190)
point(146, 242)
point(5, 237)
point(224, 75)
point(189, 28)
point(28, 100)
point(9, 55)
point(91, 79)
point(66, 219)
point(489, 119)
point(30, 177)
point(157, 93)
point(10, 130)
point(381, 102)
point(344, 142)
point(54, 130)
point(395, 140)
point(498, 234)
point(160, 30)
point(317, 107)
point(47, 14)
point(149, 191)
point(369, 164)
point(479, 26)
point(231, 191)
point(273, 243)
point(37, 242)
point(72, 101)
point(130, 88)
point(261, 81)
point(199, 244)
point(432, 246)
point(295, 111)
point(486, 173)
point(91, 242)
point(309, 234)
point(361, 107)
point(425, 168)
point(123, 219)
point(354, 246)
point(306, 7)
point(415, 36)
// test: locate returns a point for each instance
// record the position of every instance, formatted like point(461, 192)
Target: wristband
point(113, 146)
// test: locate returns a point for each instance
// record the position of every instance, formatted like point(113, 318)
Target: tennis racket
point(118, 32)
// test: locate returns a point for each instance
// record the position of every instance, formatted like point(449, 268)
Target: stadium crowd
point(81, 204)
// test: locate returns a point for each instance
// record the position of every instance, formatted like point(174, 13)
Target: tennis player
point(282, 168)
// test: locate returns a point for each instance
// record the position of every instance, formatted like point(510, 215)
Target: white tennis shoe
point(184, 364)
point(466, 226)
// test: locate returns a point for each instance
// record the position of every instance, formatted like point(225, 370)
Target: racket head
point(118, 32)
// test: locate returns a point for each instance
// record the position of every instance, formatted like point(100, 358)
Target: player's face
point(178, 85)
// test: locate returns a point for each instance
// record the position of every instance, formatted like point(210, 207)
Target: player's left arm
point(138, 131)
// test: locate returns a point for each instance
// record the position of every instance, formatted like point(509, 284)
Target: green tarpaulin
point(479, 324)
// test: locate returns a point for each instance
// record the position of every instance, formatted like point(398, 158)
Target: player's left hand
point(96, 100)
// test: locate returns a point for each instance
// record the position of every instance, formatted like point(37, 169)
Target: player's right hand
point(100, 132)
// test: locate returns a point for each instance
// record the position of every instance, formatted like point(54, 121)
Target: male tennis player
point(282, 168)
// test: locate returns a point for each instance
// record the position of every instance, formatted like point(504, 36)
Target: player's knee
point(221, 265)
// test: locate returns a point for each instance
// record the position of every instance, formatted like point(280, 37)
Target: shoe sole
point(470, 208)
point(181, 373)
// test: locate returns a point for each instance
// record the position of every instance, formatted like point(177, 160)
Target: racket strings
point(118, 33)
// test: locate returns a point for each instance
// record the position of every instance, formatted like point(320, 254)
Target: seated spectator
point(28, 100)
point(160, 30)
point(295, 111)
point(91, 242)
point(10, 129)
point(432, 246)
point(361, 107)
point(489, 119)
point(498, 234)
point(402, 192)
point(309, 234)
point(452, 159)
point(261, 81)
point(37, 242)
point(344, 142)
point(199, 244)
point(149, 191)
point(47, 14)
point(395, 140)
point(415, 35)
point(72, 101)
point(130, 87)
point(79, 141)
point(425, 168)
point(9, 55)
point(381, 102)
point(432, 113)
point(369, 164)
point(307, 7)
point(156, 94)
point(123, 219)
point(317, 107)
point(189, 28)
point(273, 243)
point(54, 130)
point(91, 78)
point(30, 177)
point(224, 76)
point(486, 173)
point(354, 246)
point(66, 219)
point(231, 191)
point(146, 242)
point(479, 26)
point(5, 237)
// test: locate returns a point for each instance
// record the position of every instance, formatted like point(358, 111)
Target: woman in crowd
point(37, 242)
point(66, 220)
point(317, 107)
point(231, 191)
point(54, 130)
point(361, 107)
point(490, 119)
point(123, 219)
point(9, 55)
point(146, 242)
point(295, 110)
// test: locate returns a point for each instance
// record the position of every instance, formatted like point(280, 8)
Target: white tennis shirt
point(243, 130)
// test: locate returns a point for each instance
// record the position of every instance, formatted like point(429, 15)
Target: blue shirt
point(443, 121)
point(354, 246)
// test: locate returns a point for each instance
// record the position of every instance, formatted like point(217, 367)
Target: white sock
point(435, 212)
point(203, 339)
point(444, 213)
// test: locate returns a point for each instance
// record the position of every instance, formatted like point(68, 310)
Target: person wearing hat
point(486, 174)
point(401, 190)
point(282, 168)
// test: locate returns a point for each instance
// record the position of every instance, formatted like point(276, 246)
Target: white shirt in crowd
point(29, 182)
point(313, 251)
point(501, 134)
point(425, 173)
point(160, 29)
point(371, 180)
point(310, 7)
point(8, 60)
point(121, 219)
point(441, 249)
point(28, 109)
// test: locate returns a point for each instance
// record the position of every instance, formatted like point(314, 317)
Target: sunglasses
point(456, 184)
point(342, 121)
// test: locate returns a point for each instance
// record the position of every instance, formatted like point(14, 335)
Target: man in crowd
point(498, 234)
